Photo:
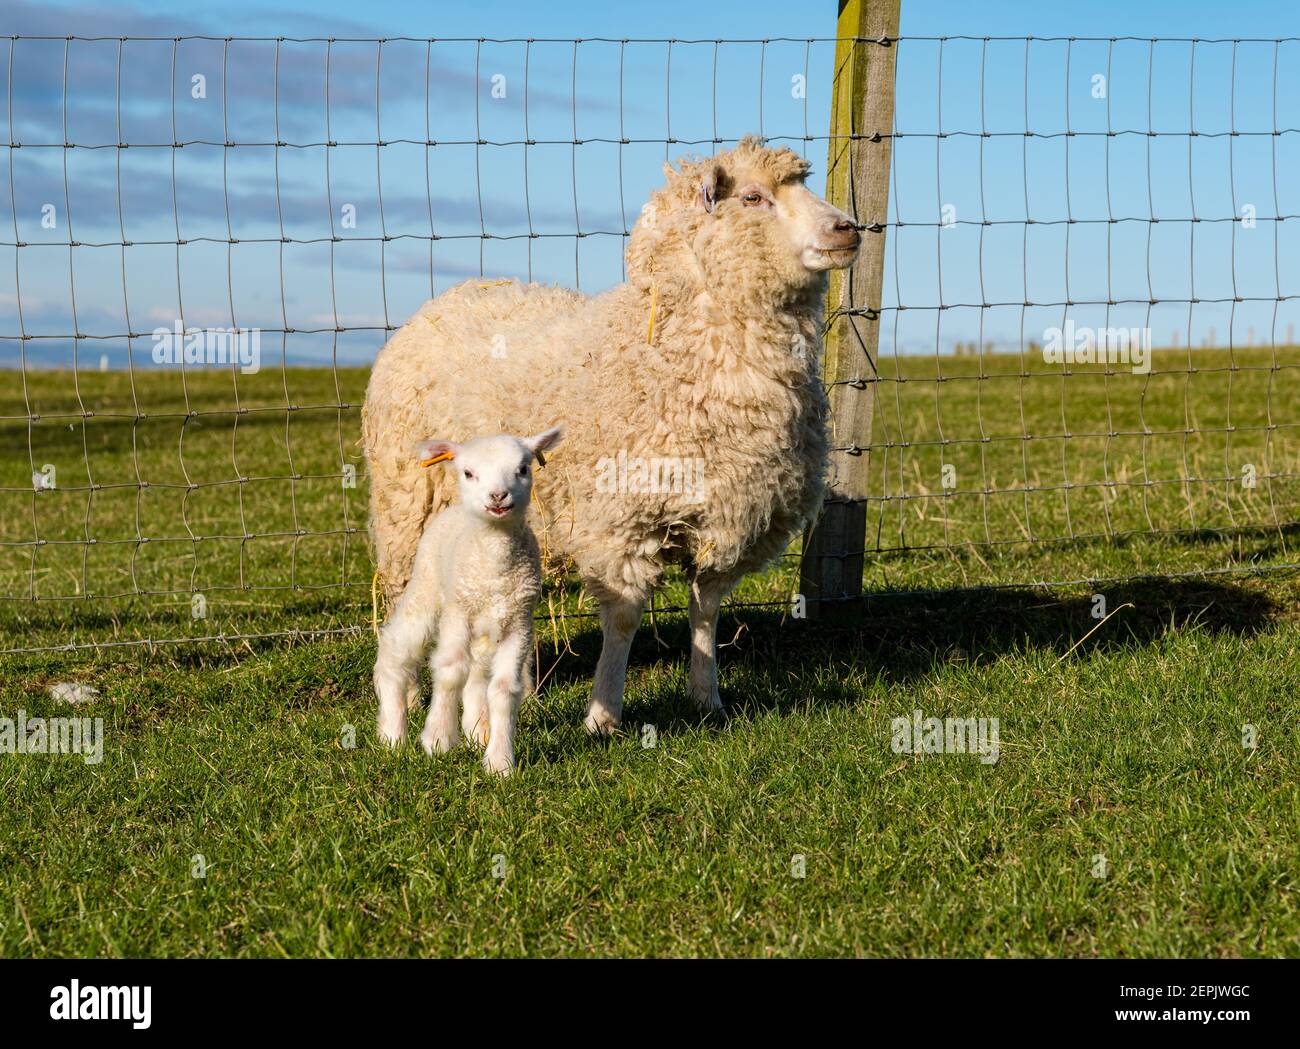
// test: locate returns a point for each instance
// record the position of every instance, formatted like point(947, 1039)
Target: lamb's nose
point(498, 497)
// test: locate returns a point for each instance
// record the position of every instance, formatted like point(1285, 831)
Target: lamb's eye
point(469, 476)
point(523, 470)
point(750, 199)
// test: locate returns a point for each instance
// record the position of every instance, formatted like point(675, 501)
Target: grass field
point(1122, 741)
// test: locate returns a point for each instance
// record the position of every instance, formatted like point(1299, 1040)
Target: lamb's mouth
point(499, 511)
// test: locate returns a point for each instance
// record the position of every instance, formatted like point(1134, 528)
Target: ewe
point(475, 582)
point(707, 356)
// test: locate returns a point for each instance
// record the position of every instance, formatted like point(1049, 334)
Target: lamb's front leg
point(707, 592)
point(504, 691)
point(619, 618)
point(450, 667)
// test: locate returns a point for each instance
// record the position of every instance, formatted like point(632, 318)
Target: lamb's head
point(741, 223)
point(495, 474)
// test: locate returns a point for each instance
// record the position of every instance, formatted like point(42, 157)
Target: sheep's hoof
point(601, 722)
point(704, 694)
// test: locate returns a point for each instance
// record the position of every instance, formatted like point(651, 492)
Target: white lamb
point(475, 583)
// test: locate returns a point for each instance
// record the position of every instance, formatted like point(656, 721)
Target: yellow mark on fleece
point(495, 283)
point(654, 304)
point(374, 603)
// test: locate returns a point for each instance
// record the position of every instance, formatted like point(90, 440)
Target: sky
point(482, 202)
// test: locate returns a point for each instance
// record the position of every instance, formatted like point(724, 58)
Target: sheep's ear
point(710, 185)
point(434, 451)
point(543, 442)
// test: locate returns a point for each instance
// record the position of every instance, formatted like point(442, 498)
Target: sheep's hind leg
point(401, 644)
point(450, 667)
point(619, 617)
point(707, 592)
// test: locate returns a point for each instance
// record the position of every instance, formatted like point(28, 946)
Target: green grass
point(1124, 741)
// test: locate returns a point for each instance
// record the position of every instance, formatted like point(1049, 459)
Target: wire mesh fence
point(1086, 361)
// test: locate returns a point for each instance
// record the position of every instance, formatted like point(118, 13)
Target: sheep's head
point(495, 474)
point(743, 224)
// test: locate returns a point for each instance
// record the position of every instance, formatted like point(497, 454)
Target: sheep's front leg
point(450, 667)
point(707, 592)
point(619, 618)
point(504, 692)
point(402, 643)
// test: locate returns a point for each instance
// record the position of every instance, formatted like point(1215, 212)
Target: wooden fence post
point(857, 180)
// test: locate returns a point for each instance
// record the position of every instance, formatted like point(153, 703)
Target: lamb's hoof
point(601, 722)
point(475, 735)
point(499, 764)
point(438, 742)
point(391, 735)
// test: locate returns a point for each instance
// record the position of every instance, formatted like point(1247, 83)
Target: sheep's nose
point(498, 497)
point(846, 233)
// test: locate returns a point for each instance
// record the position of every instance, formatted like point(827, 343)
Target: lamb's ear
point(435, 451)
point(543, 442)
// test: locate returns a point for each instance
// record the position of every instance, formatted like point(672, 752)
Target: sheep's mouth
point(818, 258)
point(499, 511)
point(841, 256)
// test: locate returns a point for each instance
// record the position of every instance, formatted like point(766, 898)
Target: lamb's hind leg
point(620, 614)
point(707, 593)
point(474, 720)
point(402, 643)
point(504, 692)
point(450, 667)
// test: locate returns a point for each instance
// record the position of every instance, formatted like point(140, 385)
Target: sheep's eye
point(523, 470)
point(469, 476)
point(750, 199)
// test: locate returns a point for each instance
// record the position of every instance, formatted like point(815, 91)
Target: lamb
point(475, 581)
point(708, 356)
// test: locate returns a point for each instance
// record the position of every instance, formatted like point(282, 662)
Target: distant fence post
point(857, 180)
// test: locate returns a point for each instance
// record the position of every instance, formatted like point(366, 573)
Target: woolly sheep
point(708, 357)
point(475, 583)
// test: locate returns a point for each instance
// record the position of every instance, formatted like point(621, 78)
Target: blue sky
point(641, 91)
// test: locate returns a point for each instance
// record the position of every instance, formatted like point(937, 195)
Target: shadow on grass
point(901, 636)
point(771, 661)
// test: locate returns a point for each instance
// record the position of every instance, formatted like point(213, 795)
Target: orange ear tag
point(441, 457)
